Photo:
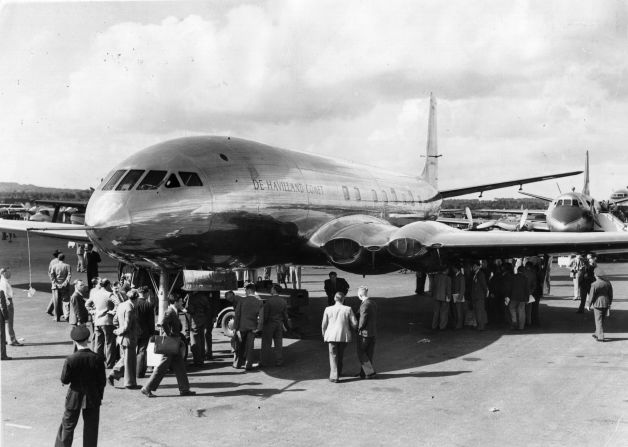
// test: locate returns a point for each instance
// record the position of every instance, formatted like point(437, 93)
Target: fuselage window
point(172, 182)
point(411, 197)
point(393, 194)
point(345, 191)
point(559, 203)
point(190, 179)
point(404, 198)
point(152, 180)
point(130, 179)
point(113, 180)
point(384, 196)
point(374, 195)
point(356, 190)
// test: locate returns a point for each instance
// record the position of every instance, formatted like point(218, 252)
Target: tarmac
point(551, 386)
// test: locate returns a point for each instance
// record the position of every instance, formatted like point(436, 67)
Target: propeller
point(467, 211)
point(522, 221)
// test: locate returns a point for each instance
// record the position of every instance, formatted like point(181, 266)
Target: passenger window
point(411, 197)
point(393, 194)
point(345, 191)
point(384, 196)
point(190, 179)
point(130, 179)
point(172, 182)
point(374, 195)
point(152, 180)
point(356, 190)
point(113, 180)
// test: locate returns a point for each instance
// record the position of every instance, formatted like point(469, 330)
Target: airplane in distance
point(220, 203)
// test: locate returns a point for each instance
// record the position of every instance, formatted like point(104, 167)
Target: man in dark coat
point(333, 285)
point(367, 331)
point(249, 320)
point(146, 328)
point(84, 371)
point(200, 312)
point(600, 299)
point(92, 259)
point(4, 316)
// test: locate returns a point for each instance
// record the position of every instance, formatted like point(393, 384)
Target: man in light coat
point(367, 331)
point(337, 326)
point(60, 276)
point(127, 333)
point(103, 306)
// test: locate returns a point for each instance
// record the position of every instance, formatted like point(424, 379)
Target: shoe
point(133, 387)
point(594, 336)
point(370, 376)
point(602, 340)
point(187, 393)
point(334, 380)
point(146, 392)
point(6, 358)
point(111, 380)
point(16, 343)
point(580, 311)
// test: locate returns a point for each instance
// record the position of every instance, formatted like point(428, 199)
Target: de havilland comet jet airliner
point(212, 203)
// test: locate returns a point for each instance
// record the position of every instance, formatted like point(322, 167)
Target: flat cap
point(79, 333)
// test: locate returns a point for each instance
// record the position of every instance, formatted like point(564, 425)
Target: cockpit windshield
point(152, 180)
point(130, 179)
point(113, 179)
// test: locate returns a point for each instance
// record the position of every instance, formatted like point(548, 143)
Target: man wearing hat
point(53, 261)
point(84, 371)
point(600, 298)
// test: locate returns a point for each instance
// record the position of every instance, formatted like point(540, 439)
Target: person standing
point(440, 288)
point(79, 316)
point(576, 267)
point(249, 320)
point(146, 328)
point(295, 276)
point(92, 259)
point(60, 276)
point(337, 325)
point(51, 303)
point(275, 317)
point(457, 295)
point(587, 278)
point(199, 310)
point(4, 316)
point(334, 285)
point(5, 286)
point(84, 371)
point(600, 299)
point(80, 257)
point(104, 308)
point(479, 291)
point(127, 340)
point(171, 326)
point(367, 332)
point(519, 294)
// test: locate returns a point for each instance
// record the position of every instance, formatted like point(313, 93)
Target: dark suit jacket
point(145, 318)
point(249, 314)
point(341, 286)
point(367, 325)
point(85, 372)
point(171, 324)
point(601, 294)
point(78, 312)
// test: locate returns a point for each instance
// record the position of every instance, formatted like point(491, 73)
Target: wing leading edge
point(54, 230)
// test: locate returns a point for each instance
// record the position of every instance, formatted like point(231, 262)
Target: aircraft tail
point(585, 188)
point(430, 171)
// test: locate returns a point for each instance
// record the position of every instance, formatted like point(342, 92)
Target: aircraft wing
point(54, 230)
point(529, 194)
point(487, 187)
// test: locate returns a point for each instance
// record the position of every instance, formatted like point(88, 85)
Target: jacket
point(519, 289)
point(127, 319)
point(479, 289)
point(78, 311)
point(440, 286)
point(4, 310)
point(249, 314)
point(601, 294)
point(171, 325)
point(145, 318)
point(60, 275)
point(367, 324)
point(341, 286)
point(338, 323)
point(199, 309)
point(84, 371)
point(458, 285)
point(103, 305)
point(275, 310)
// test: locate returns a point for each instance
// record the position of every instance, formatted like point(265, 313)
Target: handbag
point(166, 345)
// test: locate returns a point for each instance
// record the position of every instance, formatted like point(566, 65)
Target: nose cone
point(570, 218)
point(108, 213)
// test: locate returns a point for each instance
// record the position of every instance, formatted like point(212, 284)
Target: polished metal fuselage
point(259, 205)
point(576, 216)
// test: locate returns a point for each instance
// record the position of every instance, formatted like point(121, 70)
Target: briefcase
point(167, 345)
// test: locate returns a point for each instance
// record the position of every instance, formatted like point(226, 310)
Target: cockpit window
point(130, 179)
point(152, 180)
point(113, 180)
point(172, 182)
point(190, 179)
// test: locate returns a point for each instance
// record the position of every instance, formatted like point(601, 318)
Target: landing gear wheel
point(227, 324)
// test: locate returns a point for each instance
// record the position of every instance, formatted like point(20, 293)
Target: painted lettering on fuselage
point(285, 186)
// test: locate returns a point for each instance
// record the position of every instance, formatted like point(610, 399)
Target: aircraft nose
point(567, 214)
point(569, 218)
point(108, 213)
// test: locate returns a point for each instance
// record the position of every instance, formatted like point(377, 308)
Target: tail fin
point(585, 188)
point(430, 171)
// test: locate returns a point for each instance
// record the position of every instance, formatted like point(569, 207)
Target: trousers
point(127, 365)
point(336, 353)
point(10, 330)
point(479, 309)
point(178, 365)
point(272, 334)
point(142, 345)
point(197, 343)
point(91, 418)
point(366, 348)
point(244, 352)
point(105, 344)
point(441, 314)
point(517, 313)
point(600, 316)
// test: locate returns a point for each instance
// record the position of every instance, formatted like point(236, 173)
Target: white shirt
point(5, 286)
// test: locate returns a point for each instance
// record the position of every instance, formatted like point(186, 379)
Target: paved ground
point(554, 386)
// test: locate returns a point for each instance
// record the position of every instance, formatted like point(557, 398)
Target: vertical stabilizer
point(430, 171)
point(585, 188)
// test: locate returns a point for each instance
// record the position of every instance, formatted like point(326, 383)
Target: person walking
point(334, 285)
point(5, 286)
point(171, 326)
point(199, 310)
point(84, 371)
point(103, 306)
point(61, 275)
point(249, 320)
point(80, 257)
point(146, 328)
point(51, 303)
point(275, 318)
point(367, 332)
point(337, 325)
point(600, 299)
point(127, 340)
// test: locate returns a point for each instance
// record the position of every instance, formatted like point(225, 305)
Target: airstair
point(608, 222)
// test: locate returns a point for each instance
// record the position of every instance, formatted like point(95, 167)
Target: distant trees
point(499, 203)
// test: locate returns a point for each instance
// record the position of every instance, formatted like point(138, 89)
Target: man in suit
point(334, 285)
point(171, 326)
point(84, 371)
point(60, 276)
point(102, 303)
point(600, 299)
point(78, 312)
point(275, 317)
point(92, 259)
point(146, 328)
point(249, 320)
point(337, 325)
point(479, 292)
point(51, 303)
point(127, 340)
point(200, 311)
point(367, 331)
point(4, 316)
point(518, 295)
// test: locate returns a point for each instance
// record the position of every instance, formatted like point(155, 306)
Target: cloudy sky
point(524, 87)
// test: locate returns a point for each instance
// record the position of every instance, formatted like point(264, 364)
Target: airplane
point(219, 203)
